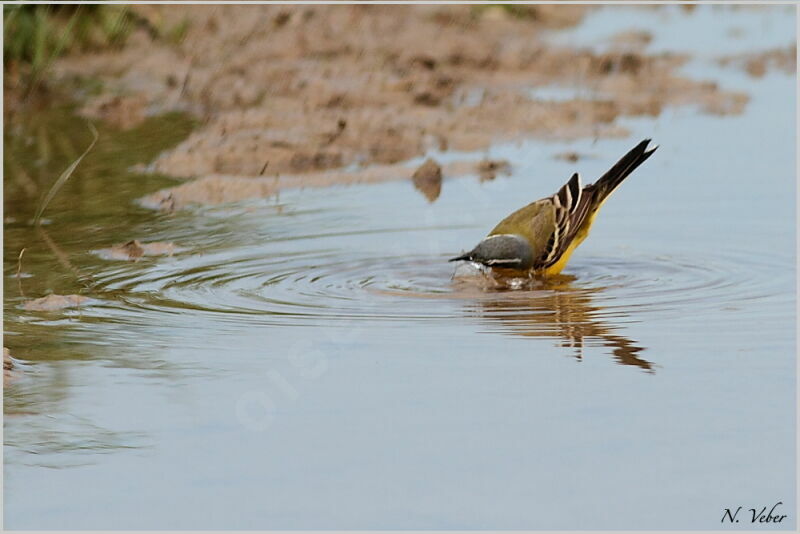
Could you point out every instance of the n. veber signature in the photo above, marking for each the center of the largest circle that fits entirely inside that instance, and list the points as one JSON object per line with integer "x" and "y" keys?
{"x": 756, "y": 515}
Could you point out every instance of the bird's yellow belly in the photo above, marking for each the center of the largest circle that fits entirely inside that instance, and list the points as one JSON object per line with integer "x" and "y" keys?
{"x": 582, "y": 234}
{"x": 558, "y": 266}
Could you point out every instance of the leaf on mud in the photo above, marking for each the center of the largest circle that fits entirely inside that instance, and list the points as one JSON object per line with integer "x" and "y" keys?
{"x": 133, "y": 250}
{"x": 55, "y": 302}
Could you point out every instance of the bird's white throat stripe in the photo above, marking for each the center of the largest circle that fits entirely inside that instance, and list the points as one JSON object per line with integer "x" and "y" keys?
{"x": 510, "y": 260}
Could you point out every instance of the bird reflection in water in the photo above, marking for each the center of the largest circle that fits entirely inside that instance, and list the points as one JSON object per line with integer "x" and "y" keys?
{"x": 551, "y": 308}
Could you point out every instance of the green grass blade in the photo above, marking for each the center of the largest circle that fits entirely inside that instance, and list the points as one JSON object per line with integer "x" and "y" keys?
{"x": 64, "y": 177}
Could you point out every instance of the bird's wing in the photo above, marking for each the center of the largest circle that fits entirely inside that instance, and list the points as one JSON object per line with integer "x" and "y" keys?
{"x": 572, "y": 204}
{"x": 551, "y": 223}
{"x": 534, "y": 222}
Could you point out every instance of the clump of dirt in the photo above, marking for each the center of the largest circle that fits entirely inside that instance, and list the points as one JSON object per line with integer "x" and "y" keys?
{"x": 8, "y": 367}
{"x": 569, "y": 156}
{"x": 328, "y": 87}
{"x": 757, "y": 64}
{"x": 572, "y": 156}
{"x": 124, "y": 112}
{"x": 488, "y": 169}
{"x": 133, "y": 250}
{"x": 550, "y": 16}
{"x": 632, "y": 39}
{"x": 428, "y": 179}
{"x": 55, "y": 302}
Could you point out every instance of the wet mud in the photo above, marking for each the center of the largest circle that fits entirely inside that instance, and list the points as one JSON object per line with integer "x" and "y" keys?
{"x": 302, "y": 92}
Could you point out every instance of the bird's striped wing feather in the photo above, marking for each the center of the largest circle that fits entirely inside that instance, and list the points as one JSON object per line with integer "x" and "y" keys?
{"x": 572, "y": 204}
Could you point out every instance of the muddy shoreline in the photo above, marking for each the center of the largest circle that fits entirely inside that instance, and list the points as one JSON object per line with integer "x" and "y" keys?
{"x": 309, "y": 96}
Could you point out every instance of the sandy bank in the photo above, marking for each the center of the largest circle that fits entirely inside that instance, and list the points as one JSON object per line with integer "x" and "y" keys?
{"x": 291, "y": 95}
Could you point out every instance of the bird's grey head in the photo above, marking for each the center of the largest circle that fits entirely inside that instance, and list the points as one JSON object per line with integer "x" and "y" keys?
{"x": 510, "y": 251}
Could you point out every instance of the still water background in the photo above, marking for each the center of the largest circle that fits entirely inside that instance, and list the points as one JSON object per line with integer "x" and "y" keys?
{"x": 308, "y": 362}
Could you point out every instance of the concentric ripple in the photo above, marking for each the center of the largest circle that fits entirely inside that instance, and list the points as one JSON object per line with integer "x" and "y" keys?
{"x": 300, "y": 288}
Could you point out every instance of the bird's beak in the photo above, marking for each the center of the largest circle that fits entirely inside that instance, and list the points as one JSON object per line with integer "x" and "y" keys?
{"x": 463, "y": 257}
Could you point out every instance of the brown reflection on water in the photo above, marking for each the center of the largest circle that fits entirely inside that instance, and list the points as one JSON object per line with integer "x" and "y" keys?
{"x": 558, "y": 309}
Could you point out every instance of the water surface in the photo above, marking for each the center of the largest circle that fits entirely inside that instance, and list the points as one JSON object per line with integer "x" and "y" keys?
{"x": 309, "y": 361}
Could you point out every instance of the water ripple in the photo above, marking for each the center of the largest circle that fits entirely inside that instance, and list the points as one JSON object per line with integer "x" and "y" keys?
{"x": 298, "y": 288}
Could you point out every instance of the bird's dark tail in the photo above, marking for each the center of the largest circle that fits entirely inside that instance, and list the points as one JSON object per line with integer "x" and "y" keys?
{"x": 607, "y": 183}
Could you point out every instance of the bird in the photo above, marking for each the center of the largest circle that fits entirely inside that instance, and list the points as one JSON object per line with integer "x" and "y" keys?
{"x": 540, "y": 237}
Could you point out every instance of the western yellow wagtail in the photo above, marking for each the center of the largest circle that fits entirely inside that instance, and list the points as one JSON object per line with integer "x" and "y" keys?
{"x": 542, "y": 236}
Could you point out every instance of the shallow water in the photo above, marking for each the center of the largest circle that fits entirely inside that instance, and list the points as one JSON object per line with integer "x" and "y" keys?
{"x": 310, "y": 361}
